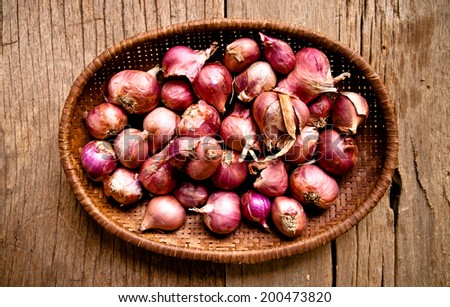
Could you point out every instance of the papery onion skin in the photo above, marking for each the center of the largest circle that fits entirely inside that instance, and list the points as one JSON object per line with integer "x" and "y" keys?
{"x": 124, "y": 186}
{"x": 221, "y": 214}
{"x": 256, "y": 207}
{"x": 163, "y": 213}
{"x": 198, "y": 120}
{"x": 319, "y": 109}
{"x": 98, "y": 160}
{"x": 239, "y": 130}
{"x": 213, "y": 84}
{"x": 131, "y": 147}
{"x": 349, "y": 111}
{"x": 337, "y": 153}
{"x": 288, "y": 216}
{"x": 137, "y": 91}
{"x": 278, "y": 53}
{"x": 256, "y": 79}
{"x": 230, "y": 173}
{"x": 161, "y": 125}
{"x": 182, "y": 61}
{"x": 304, "y": 147}
{"x": 273, "y": 178}
{"x": 313, "y": 187}
{"x": 240, "y": 54}
{"x": 157, "y": 175}
{"x": 191, "y": 194}
{"x": 301, "y": 111}
{"x": 177, "y": 94}
{"x": 105, "y": 120}
{"x": 208, "y": 156}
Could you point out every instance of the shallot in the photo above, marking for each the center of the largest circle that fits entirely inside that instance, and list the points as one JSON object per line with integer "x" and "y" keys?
{"x": 177, "y": 94}
{"x": 304, "y": 147}
{"x": 161, "y": 124}
{"x": 207, "y": 158}
{"x": 137, "y": 91}
{"x": 349, "y": 111}
{"x": 231, "y": 172}
{"x": 256, "y": 207}
{"x": 240, "y": 54}
{"x": 163, "y": 213}
{"x": 319, "y": 110}
{"x": 288, "y": 216}
{"x": 272, "y": 177}
{"x": 191, "y": 194}
{"x": 256, "y": 79}
{"x": 278, "y": 53}
{"x": 221, "y": 214}
{"x": 131, "y": 147}
{"x": 157, "y": 175}
{"x": 98, "y": 160}
{"x": 199, "y": 119}
{"x": 124, "y": 186}
{"x": 105, "y": 120}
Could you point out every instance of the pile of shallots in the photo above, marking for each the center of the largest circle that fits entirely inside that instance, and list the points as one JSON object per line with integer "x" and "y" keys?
{"x": 262, "y": 133}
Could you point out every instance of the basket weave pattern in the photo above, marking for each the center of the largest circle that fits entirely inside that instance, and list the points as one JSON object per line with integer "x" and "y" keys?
{"x": 360, "y": 190}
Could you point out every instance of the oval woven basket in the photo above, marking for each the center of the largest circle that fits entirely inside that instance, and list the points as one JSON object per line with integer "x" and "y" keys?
{"x": 360, "y": 190}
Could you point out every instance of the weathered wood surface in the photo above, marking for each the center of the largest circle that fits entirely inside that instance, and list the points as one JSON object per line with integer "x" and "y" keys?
{"x": 47, "y": 239}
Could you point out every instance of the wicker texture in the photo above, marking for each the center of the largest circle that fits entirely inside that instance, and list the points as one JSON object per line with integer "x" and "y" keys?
{"x": 360, "y": 190}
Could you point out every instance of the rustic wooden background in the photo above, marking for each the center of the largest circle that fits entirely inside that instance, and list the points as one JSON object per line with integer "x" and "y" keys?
{"x": 46, "y": 237}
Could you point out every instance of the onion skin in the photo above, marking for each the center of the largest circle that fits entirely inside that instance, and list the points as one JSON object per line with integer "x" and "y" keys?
{"x": 278, "y": 53}
{"x": 337, "y": 154}
{"x": 138, "y": 92}
{"x": 198, "y": 120}
{"x": 239, "y": 130}
{"x": 98, "y": 160}
{"x": 311, "y": 186}
{"x": 256, "y": 207}
{"x": 163, "y": 213}
{"x": 191, "y": 194}
{"x": 213, "y": 84}
{"x": 131, "y": 147}
{"x": 221, "y": 214}
{"x": 273, "y": 178}
{"x": 240, "y": 54}
{"x": 157, "y": 175}
{"x": 161, "y": 124}
{"x": 105, "y": 120}
{"x": 177, "y": 94}
{"x": 288, "y": 216}
{"x": 124, "y": 186}
{"x": 350, "y": 110}
{"x": 182, "y": 61}
{"x": 208, "y": 156}
{"x": 256, "y": 79}
{"x": 304, "y": 147}
{"x": 319, "y": 109}
{"x": 230, "y": 173}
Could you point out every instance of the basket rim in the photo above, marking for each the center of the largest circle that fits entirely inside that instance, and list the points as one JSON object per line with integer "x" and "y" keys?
{"x": 249, "y": 256}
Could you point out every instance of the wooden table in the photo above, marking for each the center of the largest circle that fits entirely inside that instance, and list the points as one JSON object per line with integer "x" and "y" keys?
{"x": 47, "y": 239}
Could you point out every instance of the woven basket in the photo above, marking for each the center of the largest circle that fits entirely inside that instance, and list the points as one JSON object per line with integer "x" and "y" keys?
{"x": 360, "y": 190}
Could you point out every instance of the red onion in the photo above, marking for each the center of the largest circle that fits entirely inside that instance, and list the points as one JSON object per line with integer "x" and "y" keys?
{"x": 105, "y": 120}
{"x": 200, "y": 119}
{"x": 124, "y": 186}
{"x": 240, "y": 54}
{"x": 208, "y": 156}
{"x": 177, "y": 94}
{"x": 304, "y": 147}
{"x": 157, "y": 175}
{"x": 183, "y": 61}
{"x": 214, "y": 85}
{"x": 311, "y": 186}
{"x": 256, "y": 79}
{"x": 349, "y": 111}
{"x": 240, "y": 132}
{"x": 276, "y": 118}
{"x": 256, "y": 207}
{"x": 163, "y": 213}
{"x": 278, "y": 53}
{"x": 273, "y": 178}
{"x": 131, "y": 147}
{"x": 98, "y": 160}
{"x": 319, "y": 110}
{"x": 136, "y": 91}
{"x": 191, "y": 194}
{"x": 221, "y": 214}
{"x": 230, "y": 173}
{"x": 161, "y": 124}
{"x": 288, "y": 216}
{"x": 311, "y": 75}
{"x": 337, "y": 154}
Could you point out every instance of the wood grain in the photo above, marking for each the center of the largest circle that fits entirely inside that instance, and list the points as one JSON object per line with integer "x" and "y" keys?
{"x": 46, "y": 237}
